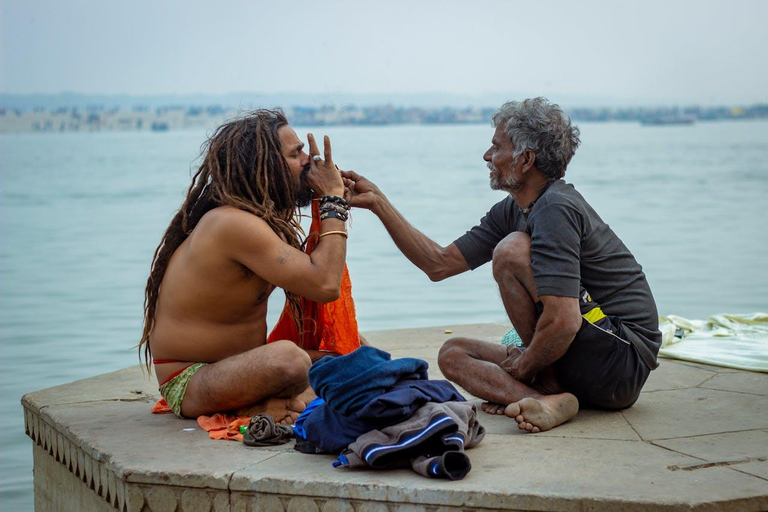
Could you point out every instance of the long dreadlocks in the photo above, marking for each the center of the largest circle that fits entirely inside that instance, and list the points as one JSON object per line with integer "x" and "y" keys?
{"x": 243, "y": 167}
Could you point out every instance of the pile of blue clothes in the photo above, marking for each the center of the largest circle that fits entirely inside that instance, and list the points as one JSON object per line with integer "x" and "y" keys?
{"x": 382, "y": 413}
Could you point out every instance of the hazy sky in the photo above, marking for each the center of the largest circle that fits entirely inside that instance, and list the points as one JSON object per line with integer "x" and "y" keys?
{"x": 635, "y": 51}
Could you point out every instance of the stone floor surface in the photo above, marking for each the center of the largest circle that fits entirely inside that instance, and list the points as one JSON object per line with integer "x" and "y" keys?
{"x": 697, "y": 439}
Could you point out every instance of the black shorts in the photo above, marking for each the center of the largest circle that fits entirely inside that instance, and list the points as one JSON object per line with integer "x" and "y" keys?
{"x": 601, "y": 367}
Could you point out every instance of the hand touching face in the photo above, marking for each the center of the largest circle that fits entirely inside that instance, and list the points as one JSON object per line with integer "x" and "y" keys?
{"x": 324, "y": 176}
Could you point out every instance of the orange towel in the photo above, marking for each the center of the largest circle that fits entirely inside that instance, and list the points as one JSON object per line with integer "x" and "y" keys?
{"x": 161, "y": 407}
{"x": 218, "y": 426}
{"x": 223, "y": 426}
{"x": 331, "y": 326}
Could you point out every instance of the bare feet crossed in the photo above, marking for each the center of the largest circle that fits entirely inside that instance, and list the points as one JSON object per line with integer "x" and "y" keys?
{"x": 492, "y": 408}
{"x": 542, "y": 414}
{"x": 283, "y": 410}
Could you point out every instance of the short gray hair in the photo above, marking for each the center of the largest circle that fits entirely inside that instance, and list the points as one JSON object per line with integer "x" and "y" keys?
{"x": 542, "y": 127}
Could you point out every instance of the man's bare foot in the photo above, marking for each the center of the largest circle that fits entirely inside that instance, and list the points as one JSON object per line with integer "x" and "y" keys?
{"x": 306, "y": 396}
{"x": 492, "y": 408}
{"x": 542, "y": 414}
{"x": 283, "y": 410}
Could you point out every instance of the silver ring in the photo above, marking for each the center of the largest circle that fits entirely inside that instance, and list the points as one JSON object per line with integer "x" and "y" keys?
{"x": 316, "y": 158}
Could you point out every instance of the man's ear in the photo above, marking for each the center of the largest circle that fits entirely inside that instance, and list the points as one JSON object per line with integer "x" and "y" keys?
{"x": 529, "y": 160}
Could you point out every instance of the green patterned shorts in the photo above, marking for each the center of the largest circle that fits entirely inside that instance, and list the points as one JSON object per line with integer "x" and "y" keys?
{"x": 174, "y": 390}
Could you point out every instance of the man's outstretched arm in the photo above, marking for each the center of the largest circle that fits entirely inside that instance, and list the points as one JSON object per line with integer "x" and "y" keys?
{"x": 434, "y": 260}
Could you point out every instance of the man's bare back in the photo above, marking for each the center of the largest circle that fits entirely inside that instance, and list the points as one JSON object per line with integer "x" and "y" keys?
{"x": 207, "y": 332}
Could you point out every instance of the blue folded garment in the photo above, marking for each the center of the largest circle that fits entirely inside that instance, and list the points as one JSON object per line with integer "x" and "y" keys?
{"x": 298, "y": 426}
{"x": 363, "y": 391}
{"x": 349, "y": 382}
{"x": 327, "y": 431}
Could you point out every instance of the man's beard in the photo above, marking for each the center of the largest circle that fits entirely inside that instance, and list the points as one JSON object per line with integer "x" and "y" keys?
{"x": 507, "y": 183}
{"x": 305, "y": 194}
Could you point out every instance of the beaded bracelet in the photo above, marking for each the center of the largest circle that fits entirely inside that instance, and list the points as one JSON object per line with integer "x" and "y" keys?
{"x": 333, "y": 207}
{"x": 334, "y": 199}
{"x": 334, "y": 215}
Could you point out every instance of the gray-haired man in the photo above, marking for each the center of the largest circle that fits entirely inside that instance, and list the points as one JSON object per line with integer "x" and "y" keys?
{"x": 574, "y": 293}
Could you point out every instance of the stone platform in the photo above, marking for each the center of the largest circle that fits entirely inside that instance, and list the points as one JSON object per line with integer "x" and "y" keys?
{"x": 697, "y": 439}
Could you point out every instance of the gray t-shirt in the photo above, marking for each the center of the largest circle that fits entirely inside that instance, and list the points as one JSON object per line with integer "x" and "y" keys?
{"x": 571, "y": 248}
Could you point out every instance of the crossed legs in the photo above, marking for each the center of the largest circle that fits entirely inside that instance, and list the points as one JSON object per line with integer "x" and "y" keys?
{"x": 475, "y": 364}
{"x": 271, "y": 378}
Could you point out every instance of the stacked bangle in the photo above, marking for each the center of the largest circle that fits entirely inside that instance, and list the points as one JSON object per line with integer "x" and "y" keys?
{"x": 334, "y": 207}
{"x": 334, "y": 199}
{"x": 334, "y": 215}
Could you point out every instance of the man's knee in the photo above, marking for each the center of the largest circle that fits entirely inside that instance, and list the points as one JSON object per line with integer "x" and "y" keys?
{"x": 450, "y": 356}
{"x": 511, "y": 255}
{"x": 290, "y": 363}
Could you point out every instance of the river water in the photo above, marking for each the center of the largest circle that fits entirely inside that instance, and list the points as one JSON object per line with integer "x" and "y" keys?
{"x": 81, "y": 214}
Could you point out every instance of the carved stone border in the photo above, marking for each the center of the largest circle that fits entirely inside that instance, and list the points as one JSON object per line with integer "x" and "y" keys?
{"x": 93, "y": 472}
{"x": 263, "y": 502}
{"x": 126, "y": 497}
{"x": 146, "y": 498}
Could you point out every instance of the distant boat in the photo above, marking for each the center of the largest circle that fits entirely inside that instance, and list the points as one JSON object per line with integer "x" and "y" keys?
{"x": 159, "y": 127}
{"x": 667, "y": 120}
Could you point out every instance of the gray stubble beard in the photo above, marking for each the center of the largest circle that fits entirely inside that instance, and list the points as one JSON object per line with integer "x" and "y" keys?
{"x": 508, "y": 184}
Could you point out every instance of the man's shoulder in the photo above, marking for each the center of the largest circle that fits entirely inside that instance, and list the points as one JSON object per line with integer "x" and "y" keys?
{"x": 564, "y": 194}
{"x": 224, "y": 216}
{"x": 502, "y": 215}
{"x": 563, "y": 190}
{"x": 228, "y": 222}
{"x": 560, "y": 205}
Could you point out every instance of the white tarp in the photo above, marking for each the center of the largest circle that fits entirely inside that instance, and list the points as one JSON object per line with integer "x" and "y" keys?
{"x": 733, "y": 341}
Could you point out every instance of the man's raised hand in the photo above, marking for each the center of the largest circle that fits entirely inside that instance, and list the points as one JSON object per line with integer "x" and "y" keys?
{"x": 359, "y": 192}
{"x": 323, "y": 177}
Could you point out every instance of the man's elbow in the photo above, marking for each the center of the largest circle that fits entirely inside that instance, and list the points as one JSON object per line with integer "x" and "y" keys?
{"x": 437, "y": 275}
{"x": 570, "y": 324}
{"x": 439, "y": 270}
{"x": 447, "y": 262}
{"x": 328, "y": 294}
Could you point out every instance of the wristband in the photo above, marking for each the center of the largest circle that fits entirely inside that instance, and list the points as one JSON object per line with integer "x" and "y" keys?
{"x": 334, "y": 215}
{"x": 334, "y": 199}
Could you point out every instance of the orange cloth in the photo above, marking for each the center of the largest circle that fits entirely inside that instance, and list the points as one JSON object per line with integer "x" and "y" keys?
{"x": 218, "y": 426}
{"x": 223, "y": 426}
{"x": 330, "y": 326}
{"x": 161, "y": 407}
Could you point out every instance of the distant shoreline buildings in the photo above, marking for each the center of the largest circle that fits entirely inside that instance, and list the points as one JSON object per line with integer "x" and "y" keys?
{"x": 176, "y": 117}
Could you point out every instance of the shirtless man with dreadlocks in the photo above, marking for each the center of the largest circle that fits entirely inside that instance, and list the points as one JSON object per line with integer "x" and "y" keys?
{"x": 234, "y": 239}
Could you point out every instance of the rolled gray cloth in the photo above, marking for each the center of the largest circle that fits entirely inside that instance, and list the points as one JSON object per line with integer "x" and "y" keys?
{"x": 262, "y": 431}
